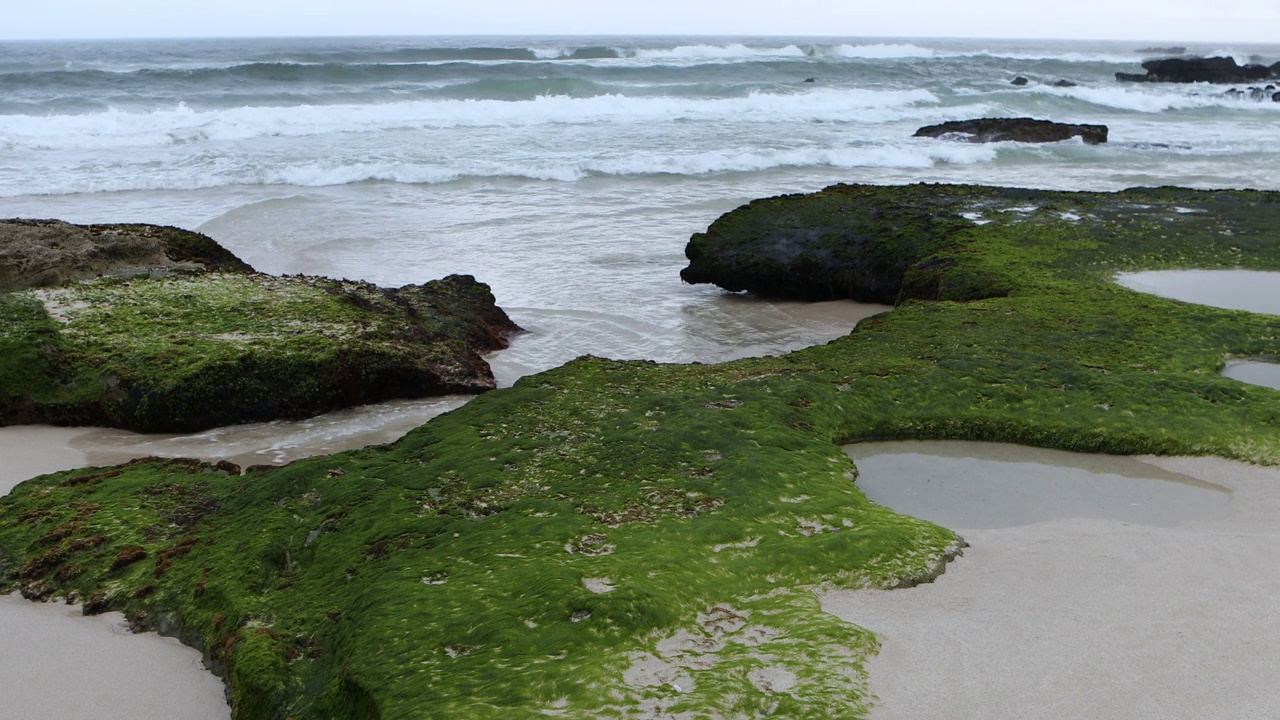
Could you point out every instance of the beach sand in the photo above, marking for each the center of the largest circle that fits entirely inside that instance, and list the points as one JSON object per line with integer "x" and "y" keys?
{"x": 1092, "y": 618}
{"x": 56, "y": 663}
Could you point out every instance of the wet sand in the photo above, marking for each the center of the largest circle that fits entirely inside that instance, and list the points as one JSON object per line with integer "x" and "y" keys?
{"x": 1092, "y": 618}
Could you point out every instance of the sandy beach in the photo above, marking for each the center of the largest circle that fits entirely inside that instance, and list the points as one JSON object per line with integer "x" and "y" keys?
{"x": 1076, "y": 618}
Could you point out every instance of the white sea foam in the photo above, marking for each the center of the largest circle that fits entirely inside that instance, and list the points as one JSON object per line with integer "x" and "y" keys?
{"x": 1159, "y": 100}
{"x": 183, "y": 125}
{"x": 879, "y": 51}
{"x": 732, "y": 51}
{"x": 320, "y": 173}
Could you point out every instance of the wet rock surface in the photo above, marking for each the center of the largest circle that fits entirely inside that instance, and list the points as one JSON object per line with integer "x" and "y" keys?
{"x": 1209, "y": 70}
{"x": 1027, "y": 130}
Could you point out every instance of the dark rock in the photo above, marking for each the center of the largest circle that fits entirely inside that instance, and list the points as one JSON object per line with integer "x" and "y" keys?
{"x": 861, "y": 242}
{"x": 1016, "y": 130}
{"x": 809, "y": 80}
{"x": 37, "y": 590}
{"x": 1020, "y": 81}
{"x": 1276, "y": 97}
{"x": 128, "y": 556}
{"x": 96, "y": 604}
{"x": 1064, "y": 83}
{"x": 1211, "y": 70}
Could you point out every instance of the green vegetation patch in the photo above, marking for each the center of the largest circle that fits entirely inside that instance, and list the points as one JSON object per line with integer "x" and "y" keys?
{"x": 628, "y": 539}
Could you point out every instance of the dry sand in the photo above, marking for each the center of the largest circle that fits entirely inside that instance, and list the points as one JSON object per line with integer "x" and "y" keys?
{"x": 1092, "y": 618}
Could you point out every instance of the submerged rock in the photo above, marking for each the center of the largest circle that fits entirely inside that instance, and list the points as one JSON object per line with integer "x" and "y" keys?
{"x": 1015, "y": 130}
{"x": 1019, "y": 81}
{"x": 1209, "y": 70}
{"x": 159, "y": 329}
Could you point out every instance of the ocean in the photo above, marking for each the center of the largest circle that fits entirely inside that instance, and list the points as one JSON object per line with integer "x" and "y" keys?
{"x": 567, "y": 173}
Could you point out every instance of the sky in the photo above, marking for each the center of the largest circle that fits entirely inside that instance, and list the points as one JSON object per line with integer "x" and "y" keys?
{"x": 1167, "y": 20}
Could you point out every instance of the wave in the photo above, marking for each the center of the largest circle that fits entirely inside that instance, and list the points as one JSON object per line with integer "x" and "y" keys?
{"x": 718, "y": 52}
{"x": 416, "y": 55}
{"x": 1154, "y": 101}
{"x": 219, "y": 173}
{"x": 182, "y": 124}
{"x": 878, "y": 51}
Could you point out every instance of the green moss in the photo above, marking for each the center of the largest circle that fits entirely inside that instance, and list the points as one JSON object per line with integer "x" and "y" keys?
{"x": 451, "y": 574}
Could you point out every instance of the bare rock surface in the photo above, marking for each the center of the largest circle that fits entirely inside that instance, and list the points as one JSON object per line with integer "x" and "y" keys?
{"x": 1028, "y": 130}
{"x": 44, "y": 253}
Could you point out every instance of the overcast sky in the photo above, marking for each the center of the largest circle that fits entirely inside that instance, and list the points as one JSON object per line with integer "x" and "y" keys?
{"x": 1170, "y": 20}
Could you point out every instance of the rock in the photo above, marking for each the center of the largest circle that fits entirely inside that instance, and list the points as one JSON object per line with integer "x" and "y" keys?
{"x": 1016, "y": 130}
{"x": 1173, "y": 50}
{"x": 96, "y": 604}
{"x": 1211, "y": 70}
{"x": 1020, "y": 81}
{"x": 1064, "y": 83}
{"x": 44, "y": 253}
{"x": 129, "y": 556}
{"x": 855, "y": 242}
{"x": 162, "y": 330}
{"x": 809, "y": 80}
{"x": 1275, "y": 97}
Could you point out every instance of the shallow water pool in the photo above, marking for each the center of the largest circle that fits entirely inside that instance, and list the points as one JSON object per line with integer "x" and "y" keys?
{"x": 1253, "y": 290}
{"x": 971, "y": 485}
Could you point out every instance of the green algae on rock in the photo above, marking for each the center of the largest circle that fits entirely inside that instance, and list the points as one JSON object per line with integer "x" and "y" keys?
{"x": 159, "y": 329}
{"x": 628, "y": 539}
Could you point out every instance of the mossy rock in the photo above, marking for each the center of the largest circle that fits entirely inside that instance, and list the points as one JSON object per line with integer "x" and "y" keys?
{"x": 628, "y": 539}
{"x": 204, "y": 341}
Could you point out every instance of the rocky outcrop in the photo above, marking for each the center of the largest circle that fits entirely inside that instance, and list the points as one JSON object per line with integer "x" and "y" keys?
{"x": 1015, "y": 130}
{"x": 1219, "y": 70}
{"x": 163, "y": 330}
{"x": 860, "y": 242}
{"x": 1255, "y": 93}
{"x": 41, "y": 253}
